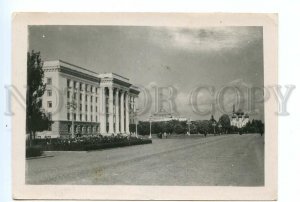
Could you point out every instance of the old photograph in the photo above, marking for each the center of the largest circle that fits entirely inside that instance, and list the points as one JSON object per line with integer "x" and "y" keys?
{"x": 150, "y": 105}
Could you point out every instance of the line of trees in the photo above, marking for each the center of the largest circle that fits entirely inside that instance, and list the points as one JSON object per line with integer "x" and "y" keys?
{"x": 222, "y": 126}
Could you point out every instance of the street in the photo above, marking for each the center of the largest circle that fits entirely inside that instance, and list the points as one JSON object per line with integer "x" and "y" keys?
{"x": 226, "y": 160}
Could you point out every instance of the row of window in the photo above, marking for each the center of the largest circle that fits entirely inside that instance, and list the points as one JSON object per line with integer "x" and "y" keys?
{"x": 86, "y": 107}
{"x": 49, "y": 105}
{"x": 81, "y": 117}
{"x": 80, "y": 97}
{"x": 83, "y": 129}
{"x": 88, "y": 88}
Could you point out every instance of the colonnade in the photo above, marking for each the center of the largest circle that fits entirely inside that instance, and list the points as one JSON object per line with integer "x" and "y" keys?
{"x": 114, "y": 110}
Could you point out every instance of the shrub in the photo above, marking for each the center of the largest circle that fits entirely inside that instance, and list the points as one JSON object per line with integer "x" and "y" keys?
{"x": 92, "y": 143}
{"x": 34, "y": 151}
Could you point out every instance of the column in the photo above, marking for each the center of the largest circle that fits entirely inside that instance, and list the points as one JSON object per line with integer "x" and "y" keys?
{"x": 111, "y": 110}
{"x": 71, "y": 110}
{"x": 83, "y": 102}
{"x": 127, "y": 113}
{"x": 117, "y": 112}
{"x": 122, "y": 111}
{"x": 102, "y": 111}
{"x": 88, "y": 103}
{"x": 133, "y": 109}
{"x": 98, "y": 113}
{"x": 134, "y": 103}
{"x": 77, "y": 101}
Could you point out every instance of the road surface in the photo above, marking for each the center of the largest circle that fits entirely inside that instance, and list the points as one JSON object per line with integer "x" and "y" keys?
{"x": 227, "y": 160}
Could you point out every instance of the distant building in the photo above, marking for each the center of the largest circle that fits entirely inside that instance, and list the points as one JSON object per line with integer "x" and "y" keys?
{"x": 239, "y": 118}
{"x": 162, "y": 115}
{"x": 104, "y": 103}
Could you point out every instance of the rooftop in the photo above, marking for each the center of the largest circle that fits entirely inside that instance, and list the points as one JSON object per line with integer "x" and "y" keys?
{"x": 59, "y": 63}
{"x": 113, "y": 76}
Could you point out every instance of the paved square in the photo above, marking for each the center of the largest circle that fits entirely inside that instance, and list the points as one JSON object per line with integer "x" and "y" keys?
{"x": 227, "y": 160}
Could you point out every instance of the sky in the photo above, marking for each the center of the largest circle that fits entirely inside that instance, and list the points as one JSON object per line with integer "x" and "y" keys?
{"x": 193, "y": 66}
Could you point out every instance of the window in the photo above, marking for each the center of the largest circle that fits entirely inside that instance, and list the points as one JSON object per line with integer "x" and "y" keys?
{"x": 74, "y": 84}
{"x": 80, "y": 86}
{"x": 80, "y": 117}
{"x": 49, "y": 81}
{"x": 68, "y": 116}
{"x": 49, "y": 104}
{"x": 86, "y": 108}
{"x": 91, "y": 118}
{"x": 68, "y": 94}
{"x": 74, "y": 117}
{"x": 96, "y": 99}
{"x": 91, "y": 108}
{"x": 86, "y": 88}
{"x": 96, "y": 118}
{"x": 85, "y": 117}
{"x": 96, "y": 109}
{"x": 91, "y": 98}
{"x": 80, "y": 107}
{"x": 86, "y": 98}
{"x": 91, "y": 88}
{"x": 49, "y": 93}
{"x": 75, "y": 95}
{"x": 80, "y": 96}
{"x": 68, "y": 83}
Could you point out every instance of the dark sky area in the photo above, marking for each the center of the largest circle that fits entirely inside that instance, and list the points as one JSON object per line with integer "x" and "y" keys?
{"x": 181, "y": 58}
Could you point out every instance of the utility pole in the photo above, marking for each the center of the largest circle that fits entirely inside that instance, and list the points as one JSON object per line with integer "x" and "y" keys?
{"x": 136, "y": 122}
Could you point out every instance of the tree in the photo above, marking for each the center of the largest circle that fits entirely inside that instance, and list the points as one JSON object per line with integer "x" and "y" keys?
{"x": 204, "y": 127}
{"x": 143, "y": 128}
{"x": 225, "y": 122}
{"x": 179, "y": 128}
{"x": 36, "y": 118}
{"x": 169, "y": 127}
{"x": 194, "y": 127}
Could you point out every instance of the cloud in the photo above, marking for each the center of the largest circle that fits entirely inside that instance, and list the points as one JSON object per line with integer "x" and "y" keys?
{"x": 205, "y": 39}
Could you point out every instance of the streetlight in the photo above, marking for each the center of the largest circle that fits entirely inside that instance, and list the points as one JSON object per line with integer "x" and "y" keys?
{"x": 136, "y": 122}
{"x": 189, "y": 125}
{"x": 72, "y": 105}
{"x": 150, "y": 119}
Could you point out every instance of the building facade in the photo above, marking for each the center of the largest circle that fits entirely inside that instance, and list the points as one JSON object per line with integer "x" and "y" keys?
{"x": 163, "y": 115}
{"x": 90, "y": 102}
{"x": 239, "y": 119}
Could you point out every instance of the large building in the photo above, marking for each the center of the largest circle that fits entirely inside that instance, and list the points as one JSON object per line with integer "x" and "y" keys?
{"x": 239, "y": 119}
{"x": 163, "y": 115}
{"x": 91, "y": 102}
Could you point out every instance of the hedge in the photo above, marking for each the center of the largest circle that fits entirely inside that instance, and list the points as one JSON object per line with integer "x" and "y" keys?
{"x": 89, "y": 147}
{"x": 34, "y": 151}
